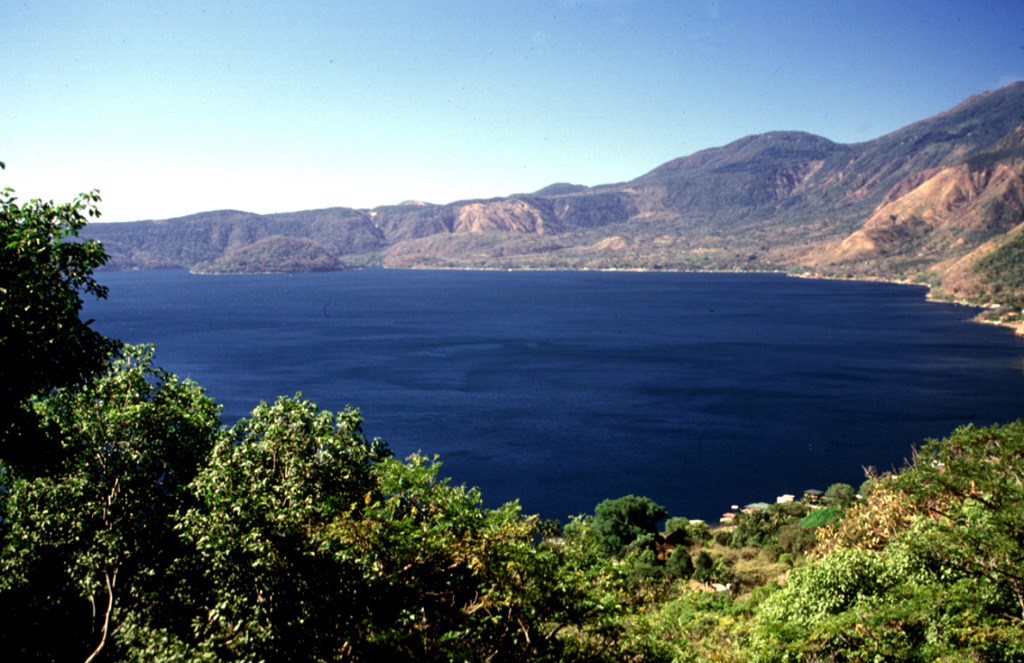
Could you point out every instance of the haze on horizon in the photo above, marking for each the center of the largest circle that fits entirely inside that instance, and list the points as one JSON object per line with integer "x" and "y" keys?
{"x": 171, "y": 108}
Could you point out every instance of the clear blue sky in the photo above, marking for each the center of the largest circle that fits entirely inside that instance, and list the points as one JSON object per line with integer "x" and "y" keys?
{"x": 174, "y": 107}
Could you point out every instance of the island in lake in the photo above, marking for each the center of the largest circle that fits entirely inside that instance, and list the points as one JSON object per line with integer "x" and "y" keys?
{"x": 939, "y": 202}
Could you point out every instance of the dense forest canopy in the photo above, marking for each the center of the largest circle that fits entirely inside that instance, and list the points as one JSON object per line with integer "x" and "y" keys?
{"x": 154, "y": 533}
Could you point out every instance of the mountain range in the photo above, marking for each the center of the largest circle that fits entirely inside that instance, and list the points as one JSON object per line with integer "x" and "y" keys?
{"x": 939, "y": 202}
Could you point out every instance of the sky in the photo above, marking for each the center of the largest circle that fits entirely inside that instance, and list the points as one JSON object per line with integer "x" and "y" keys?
{"x": 176, "y": 107}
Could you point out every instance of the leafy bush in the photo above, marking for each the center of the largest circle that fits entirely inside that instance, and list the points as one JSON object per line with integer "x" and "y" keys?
{"x": 761, "y": 528}
{"x": 828, "y": 587}
{"x": 970, "y": 485}
{"x": 44, "y": 343}
{"x": 795, "y": 539}
{"x": 100, "y": 529}
{"x": 677, "y": 531}
{"x": 840, "y": 494}
{"x": 682, "y": 532}
{"x": 620, "y": 522}
{"x": 274, "y": 484}
{"x": 707, "y": 569}
{"x": 679, "y": 564}
{"x": 865, "y": 605}
{"x": 822, "y": 517}
{"x": 700, "y": 531}
{"x": 703, "y": 567}
{"x": 549, "y": 528}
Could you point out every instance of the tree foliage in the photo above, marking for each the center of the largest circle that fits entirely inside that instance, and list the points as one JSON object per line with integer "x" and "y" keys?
{"x": 266, "y": 583}
{"x": 840, "y": 495}
{"x": 970, "y": 488}
{"x": 927, "y": 567}
{"x": 679, "y": 564}
{"x": 761, "y": 528}
{"x": 44, "y": 342}
{"x": 680, "y": 531}
{"x": 444, "y": 576}
{"x": 620, "y": 522}
{"x": 821, "y": 517}
{"x": 90, "y": 542}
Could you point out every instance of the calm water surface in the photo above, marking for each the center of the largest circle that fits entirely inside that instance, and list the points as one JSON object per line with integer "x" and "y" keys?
{"x": 565, "y": 388}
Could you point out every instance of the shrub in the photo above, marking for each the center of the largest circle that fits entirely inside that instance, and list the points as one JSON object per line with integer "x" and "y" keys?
{"x": 700, "y": 531}
{"x": 622, "y": 521}
{"x": 707, "y": 569}
{"x": 771, "y": 553}
{"x": 702, "y": 567}
{"x": 827, "y": 587}
{"x": 677, "y": 531}
{"x": 794, "y": 538}
{"x": 820, "y": 517}
{"x": 679, "y": 564}
{"x": 840, "y": 494}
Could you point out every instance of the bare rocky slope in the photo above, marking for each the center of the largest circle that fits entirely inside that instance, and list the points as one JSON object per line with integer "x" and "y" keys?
{"x": 938, "y": 202}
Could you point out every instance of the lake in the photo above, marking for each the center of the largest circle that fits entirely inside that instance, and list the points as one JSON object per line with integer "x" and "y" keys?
{"x": 561, "y": 389}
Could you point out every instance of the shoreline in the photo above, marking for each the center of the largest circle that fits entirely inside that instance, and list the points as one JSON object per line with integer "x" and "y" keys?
{"x": 1017, "y": 327}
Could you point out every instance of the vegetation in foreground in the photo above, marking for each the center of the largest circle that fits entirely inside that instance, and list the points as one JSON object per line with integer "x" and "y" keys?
{"x": 134, "y": 526}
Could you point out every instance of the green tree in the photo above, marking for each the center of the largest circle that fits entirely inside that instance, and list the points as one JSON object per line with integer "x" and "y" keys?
{"x": 841, "y": 495}
{"x": 891, "y": 605}
{"x": 613, "y": 599}
{"x": 313, "y": 543}
{"x": 677, "y": 531}
{"x": 680, "y": 531}
{"x": 448, "y": 580}
{"x": 679, "y": 564}
{"x": 760, "y": 528}
{"x": 927, "y": 568}
{"x": 867, "y": 486}
{"x": 827, "y": 587}
{"x": 265, "y": 582}
{"x": 44, "y": 343}
{"x": 86, "y": 548}
{"x": 970, "y": 486}
{"x": 620, "y": 522}
{"x": 699, "y": 531}
{"x": 703, "y": 567}
{"x": 795, "y": 539}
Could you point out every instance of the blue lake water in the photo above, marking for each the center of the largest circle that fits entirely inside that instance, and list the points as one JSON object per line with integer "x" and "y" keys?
{"x": 565, "y": 388}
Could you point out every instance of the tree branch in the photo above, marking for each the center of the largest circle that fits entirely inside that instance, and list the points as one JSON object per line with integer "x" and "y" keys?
{"x": 106, "y": 620}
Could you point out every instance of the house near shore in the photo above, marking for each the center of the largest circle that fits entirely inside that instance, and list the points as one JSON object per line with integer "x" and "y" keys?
{"x": 813, "y": 496}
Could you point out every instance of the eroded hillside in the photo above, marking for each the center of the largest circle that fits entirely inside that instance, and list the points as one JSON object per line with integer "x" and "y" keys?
{"x": 928, "y": 203}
